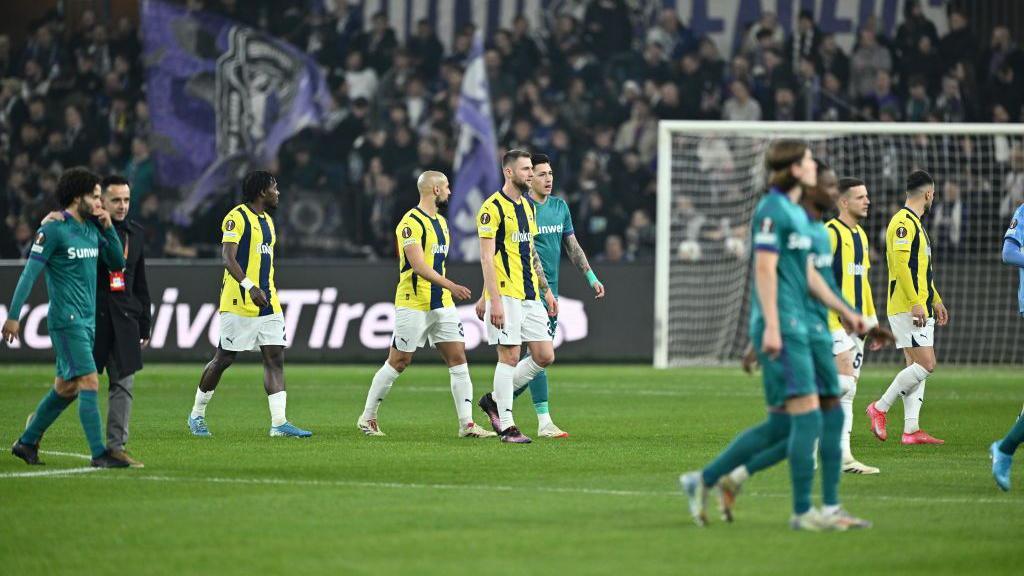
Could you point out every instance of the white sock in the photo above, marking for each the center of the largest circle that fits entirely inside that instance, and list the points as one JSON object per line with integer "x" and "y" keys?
{"x": 277, "y": 402}
{"x": 912, "y": 403}
{"x": 740, "y": 474}
{"x": 503, "y": 375}
{"x": 525, "y": 371}
{"x": 831, "y": 508}
{"x": 903, "y": 384}
{"x": 848, "y": 384}
{"x": 462, "y": 393}
{"x": 202, "y": 399}
{"x": 543, "y": 420}
{"x": 379, "y": 388}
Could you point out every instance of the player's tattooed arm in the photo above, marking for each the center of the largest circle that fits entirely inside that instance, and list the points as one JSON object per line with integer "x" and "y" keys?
{"x": 576, "y": 254}
{"x": 539, "y": 269}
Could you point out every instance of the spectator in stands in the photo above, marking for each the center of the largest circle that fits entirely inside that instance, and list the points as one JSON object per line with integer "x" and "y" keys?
{"x": 882, "y": 97}
{"x": 914, "y": 27}
{"x": 140, "y": 173}
{"x": 614, "y": 251}
{"x": 868, "y": 59}
{"x": 673, "y": 36}
{"x": 1013, "y": 184}
{"x": 426, "y": 49}
{"x": 959, "y": 42}
{"x": 949, "y": 219}
{"x": 378, "y": 44}
{"x": 918, "y": 104}
{"x": 608, "y": 28}
{"x": 741, "y": 106}
{"x": 832, "y": 60}
{"x": 950, "y": 104}
{"x": 756, "y": 35}
{"x": 805, "y": 40}
{"x": 360, "y": 79}
{"x": 640, "y": 236}
{"x": 639, "y": 133}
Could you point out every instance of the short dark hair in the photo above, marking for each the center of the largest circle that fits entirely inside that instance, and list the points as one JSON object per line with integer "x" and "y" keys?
{"x": 113, "y": 180}
{"x": 255, "y": 183}
{"x": 512, "y": 155}
{"x": 917, "y": 180}
{"x": 823, "y": 166}
{"x": 847, "y": 183}
{"x": 75, "y": 183}
{"x": 540, "y": 159}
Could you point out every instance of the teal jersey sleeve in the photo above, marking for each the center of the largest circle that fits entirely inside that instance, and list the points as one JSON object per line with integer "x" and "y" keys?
{"x": 1016, "y": 230}
{"x": 567, "y": 229}
{"x": 47, "y": 241}
{"x": 769, "y": 226}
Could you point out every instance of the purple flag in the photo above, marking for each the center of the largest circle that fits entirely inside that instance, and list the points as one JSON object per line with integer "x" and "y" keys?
{"x": 223, "y": 97}
{"x": 477, "y": 175}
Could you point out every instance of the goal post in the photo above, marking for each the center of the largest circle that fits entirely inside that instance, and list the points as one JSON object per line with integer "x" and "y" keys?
{"x": 711, "y": 174}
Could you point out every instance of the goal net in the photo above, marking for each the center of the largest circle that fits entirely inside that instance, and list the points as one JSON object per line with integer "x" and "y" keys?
{"x": 711, "y": 175}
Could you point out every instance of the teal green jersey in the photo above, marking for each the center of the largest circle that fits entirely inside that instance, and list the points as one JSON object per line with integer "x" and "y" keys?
{"x": 69, "y": 251}
{"x": 821, "y": 254}
{"x": 554, "y": 223}
{"x": 780, "y": 226}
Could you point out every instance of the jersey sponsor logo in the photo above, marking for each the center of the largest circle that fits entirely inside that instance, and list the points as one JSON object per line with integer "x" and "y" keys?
{"x": 74, "y": 253}
{"x": 901, "y": 232}
{"x": 552, "y": 229}
{"x": 520, "y": 237}
{"x": 230, "y": 225}
{"x": 855, "y": 269}
{"x": 265, "y": 249}
{"x": 798, "y": 242}
{"x": 440, "y": 249}
{"x": 406, "y": 232}
{"x": 485, "y": 218}
{"x": 822, "y": 260}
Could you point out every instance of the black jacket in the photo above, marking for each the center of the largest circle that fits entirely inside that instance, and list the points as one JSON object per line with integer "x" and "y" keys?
{"x": 123, "y": 318}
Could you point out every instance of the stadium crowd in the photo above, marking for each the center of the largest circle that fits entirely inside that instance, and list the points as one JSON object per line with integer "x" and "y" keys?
{"x": 587, "y": 90}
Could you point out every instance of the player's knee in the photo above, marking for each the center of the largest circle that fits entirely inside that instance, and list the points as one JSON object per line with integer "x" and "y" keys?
{"x": 927, "y": 363}
{"x": 67, "y": 389}
{"x": 88, "y": 382}
{"x": 544, "y": 359}
{"x": 829, "y": 402}
{"x": 274, "y": 359}
{"x": 400, "y": 362}
{"x": 222, "y": 361}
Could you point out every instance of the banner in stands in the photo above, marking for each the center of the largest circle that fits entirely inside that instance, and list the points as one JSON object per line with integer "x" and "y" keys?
{"x": 343, "y": 312}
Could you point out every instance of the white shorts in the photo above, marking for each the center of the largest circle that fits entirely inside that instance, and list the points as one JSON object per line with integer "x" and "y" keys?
{"x": 415, "y": 328}
{"x": 842, "y": 341}
{"x": 525, "y": 321}
{"x": 245, "y": 333}
{"x": 910, "y": 336}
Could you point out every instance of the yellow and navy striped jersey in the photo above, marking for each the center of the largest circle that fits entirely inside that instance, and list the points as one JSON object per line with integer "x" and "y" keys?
{"x": 513, "y": 226}
{"x": 255, "y": 236}
{"x": 851, "y": 263}
{"x": 908, "y": 253}
{"x": 417, "y": 227}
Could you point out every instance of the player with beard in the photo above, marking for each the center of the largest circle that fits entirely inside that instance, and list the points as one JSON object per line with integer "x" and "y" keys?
{"x": 514, "y": 283}
{"x": 424, "y": 310}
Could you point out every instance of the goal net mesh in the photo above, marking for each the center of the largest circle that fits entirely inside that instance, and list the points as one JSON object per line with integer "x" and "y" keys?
{"x": 717, "y": 177}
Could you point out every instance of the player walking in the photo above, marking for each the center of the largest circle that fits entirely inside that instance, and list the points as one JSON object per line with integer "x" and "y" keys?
{"x": 68, "y": 250}
{"x": 424, "y": 311}
{"x": 250, "y": 313}
{"x": 514, "y": 282}
{"x": 914, "y": 308}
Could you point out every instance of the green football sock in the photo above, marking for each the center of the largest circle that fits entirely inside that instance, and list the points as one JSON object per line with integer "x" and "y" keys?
{"x": 767, "y": 458}
{"x": 89, "y": 414}
{"x": 831, "y": 454}
{"x": 1014, "y": 438}
{"x": 806, "y": 428}
{"x": 49, "y": 408}
{"x": 746, "y": 445}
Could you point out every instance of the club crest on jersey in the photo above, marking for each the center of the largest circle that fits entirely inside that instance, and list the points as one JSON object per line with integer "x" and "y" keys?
{"x": 406, "y": 232}
{"x": 901, "y": 232}
{"x": 230, "y": 225}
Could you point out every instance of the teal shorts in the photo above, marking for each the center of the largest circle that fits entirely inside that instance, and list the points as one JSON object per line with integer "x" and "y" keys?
{"x": 790, "y": 374}
{"x": 826, "y": 378}
{"x": 73, "y": 346}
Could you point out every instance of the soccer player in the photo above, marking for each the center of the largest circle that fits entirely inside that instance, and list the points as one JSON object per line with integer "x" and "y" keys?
{"x": 554, "y": 225}
{"x": 250, "y": 313}
{"x": 1002, "y": 451}
{"x": 914, "y": 308}
{"x": 514, "y": 282}
{"x": 816, "y": 201}
{"x": 851, "y": 265}
{"x": 783, "y": 277}
{"x": 424, "y": 311}
{"x": 68, "y": 250}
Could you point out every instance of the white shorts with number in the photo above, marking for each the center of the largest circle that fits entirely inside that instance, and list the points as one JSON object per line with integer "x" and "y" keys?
{"x": 525, "y": 321}
{"x": 415, "y": 328}
{"x": 910, "y": 336}
{"x": 245, "y": 333}
{"x": 842, "y": 341}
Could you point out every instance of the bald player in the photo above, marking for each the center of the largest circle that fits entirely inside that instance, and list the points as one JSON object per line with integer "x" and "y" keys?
{"x": 424, "y": 310}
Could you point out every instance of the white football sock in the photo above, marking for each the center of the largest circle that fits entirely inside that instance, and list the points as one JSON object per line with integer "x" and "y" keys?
{"x": 462, "y": 393}
{"x": 379, "y": 388}
{"x": 848, "y": 384}
{"x": 202, "y": 399}
{"x": 543, "y": 420}
{"x": 525, "y": 371}
{"x": 903, "y": 384}
{"x": 740, "y": 474}
{"x": 277, "y": 402}
{"x": 912, "y": 403}
{"x": 503, "y": 375}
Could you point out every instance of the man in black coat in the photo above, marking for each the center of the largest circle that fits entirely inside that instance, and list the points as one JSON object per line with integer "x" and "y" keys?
{"x": 123, "y": 317}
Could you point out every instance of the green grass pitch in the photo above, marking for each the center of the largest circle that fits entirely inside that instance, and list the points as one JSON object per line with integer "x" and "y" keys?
{"x": 422, "y": 501}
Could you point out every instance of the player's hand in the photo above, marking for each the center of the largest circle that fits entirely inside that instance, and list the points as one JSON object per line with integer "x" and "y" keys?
{"x": 53, "y": 217}
{"x": 749, "y": 360}
{"x": 10, "y": 331}
{"x": 481, "y": 309}
{"x": 497, "y": 314}
{"x": 857, "y": 323}
{"x": 144, "y": 343}
{"x": 259, "y": 298}
{"x": 104, "y": 217}
{"x": 879, "y": 337}
{"x": 552, "y": 303}
{"x": 941, "y": 314}
{"x": 460, "y": 292}
{"x": 771, "y": 342}
{"x": 920, "y": 319}
{"x": 598, "y": 290}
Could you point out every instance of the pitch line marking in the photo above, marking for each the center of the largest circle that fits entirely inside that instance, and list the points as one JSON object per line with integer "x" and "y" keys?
{"x": 49, "y": 473}
{"x": 68, "y": 454}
